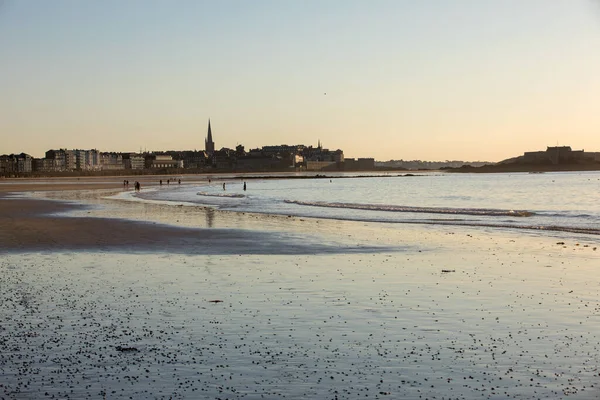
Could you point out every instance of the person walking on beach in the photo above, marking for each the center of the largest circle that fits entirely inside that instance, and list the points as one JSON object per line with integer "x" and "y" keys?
{"x": 160, "y": 182}
{"x": 179, "y": 181}
{"x": 223, "y": 185}
{"x": 137, "y": 186}
{"x": 244, "y": 186}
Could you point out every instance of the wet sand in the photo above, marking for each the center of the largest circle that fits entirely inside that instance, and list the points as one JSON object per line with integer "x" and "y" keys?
{"x": 32, "y": 225}
{"x": 59, "y": 184}
{"x": 411, "y": 312}
{"x": 501, "y": 325}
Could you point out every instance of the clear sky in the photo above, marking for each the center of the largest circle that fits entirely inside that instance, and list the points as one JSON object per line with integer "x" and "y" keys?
{"x": 390, "y": 79}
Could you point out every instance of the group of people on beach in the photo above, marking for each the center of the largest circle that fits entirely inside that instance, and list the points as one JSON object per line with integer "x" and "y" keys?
{"x": 169, "y": 182}
{"x": 224, "y": 185}
{"x": 136, "y": 185}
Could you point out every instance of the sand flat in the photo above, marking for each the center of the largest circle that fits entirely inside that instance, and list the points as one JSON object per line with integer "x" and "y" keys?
{"x": 33, "y": 225}
{"x": 515, "y": 316}
{"x": 120, "y": 325}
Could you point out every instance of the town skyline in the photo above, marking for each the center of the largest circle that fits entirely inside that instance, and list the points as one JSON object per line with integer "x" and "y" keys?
{"x": 278, "y": 157}
{"x": 210, "y": 159}
{"x": 208, "y": 147}
{"x": 479, "y": 80}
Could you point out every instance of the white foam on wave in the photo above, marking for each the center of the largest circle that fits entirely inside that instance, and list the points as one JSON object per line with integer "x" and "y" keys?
{"x": 548, "y": 227}
{"x": 227, "y": 195}
{"x": 134, "y": 197}
{"x": 412, "y": 209}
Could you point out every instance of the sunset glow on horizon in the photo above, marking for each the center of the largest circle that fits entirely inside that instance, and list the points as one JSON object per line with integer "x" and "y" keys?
{"x": 430, "y": 80}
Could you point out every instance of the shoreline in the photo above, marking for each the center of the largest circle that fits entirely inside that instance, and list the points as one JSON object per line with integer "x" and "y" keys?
{"x": 166, "y": 175}
{"x": 16, "y": 184}
{"x": 31, "y": 225}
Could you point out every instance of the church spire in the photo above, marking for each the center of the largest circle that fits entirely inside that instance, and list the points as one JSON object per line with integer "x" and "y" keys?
{"x": 209, "y": 145}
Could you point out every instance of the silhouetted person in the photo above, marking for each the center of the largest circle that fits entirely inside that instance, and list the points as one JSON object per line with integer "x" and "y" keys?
{"x": 137, "y": 186}
{"x": 179, "y": 181}
{"x": 160, "y": 182}
{"x": 223, "y": 185}
{"x": 168, "y": 181}
{"x": 244, "y": 186}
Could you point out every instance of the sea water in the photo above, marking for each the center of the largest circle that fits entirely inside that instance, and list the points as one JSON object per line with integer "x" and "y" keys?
{"x": 561, "y": 201}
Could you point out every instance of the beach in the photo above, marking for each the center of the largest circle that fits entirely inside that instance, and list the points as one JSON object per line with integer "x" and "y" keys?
{"x": 106, "y": 298}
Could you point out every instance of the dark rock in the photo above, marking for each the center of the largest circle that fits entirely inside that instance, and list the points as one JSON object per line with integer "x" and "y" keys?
{"x": 126, "y": 349}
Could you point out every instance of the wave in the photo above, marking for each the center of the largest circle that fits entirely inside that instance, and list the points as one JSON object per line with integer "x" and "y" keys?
{"x": 411, "y": 209}
{"x": 549, "y": 228}
{"x": 228, "y": 195}
{"x": 443, "y": 221}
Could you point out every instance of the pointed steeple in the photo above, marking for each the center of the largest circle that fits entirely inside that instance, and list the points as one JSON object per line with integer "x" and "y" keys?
{"x": 209, "y": 145}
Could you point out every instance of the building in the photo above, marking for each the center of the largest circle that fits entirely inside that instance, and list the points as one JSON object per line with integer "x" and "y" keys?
{"x": 14, "y": 164}
{"x": 24, "y": 163}
{"x": 321, "y": 165}
{"x": 257, "y": 163}
{"x": 555, "y": 155}
{"x": 8, "y": 165}
{"x": 283, "y": 149}
{"x": 338, "y": 156}
{"x": 365, "y": 164}
{"x": 45, "y": 165}
{"x": 70, "y": 160}
{"x": 90, "y": 160}
{"x": 137, "y": 161}
{"x": 194, "y": 159}
{"x": 319, "y": 159}
{"x": 165, "y": 161}
{"x": 209, "y": 145}
{"x": 298, "y": 160}
{"x": 59, "y": 159}
{"x": 224, "y": 159}
{"x": 111, "y": 161}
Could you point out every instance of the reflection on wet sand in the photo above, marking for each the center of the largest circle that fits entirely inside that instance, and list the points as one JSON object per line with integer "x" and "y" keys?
{"x": 210, "y": 217}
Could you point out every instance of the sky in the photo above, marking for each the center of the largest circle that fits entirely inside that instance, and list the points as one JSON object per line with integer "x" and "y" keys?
{"x": 390, "y": 79}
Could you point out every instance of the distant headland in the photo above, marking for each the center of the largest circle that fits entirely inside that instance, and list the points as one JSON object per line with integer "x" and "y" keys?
{"x": 558, "y": 158}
